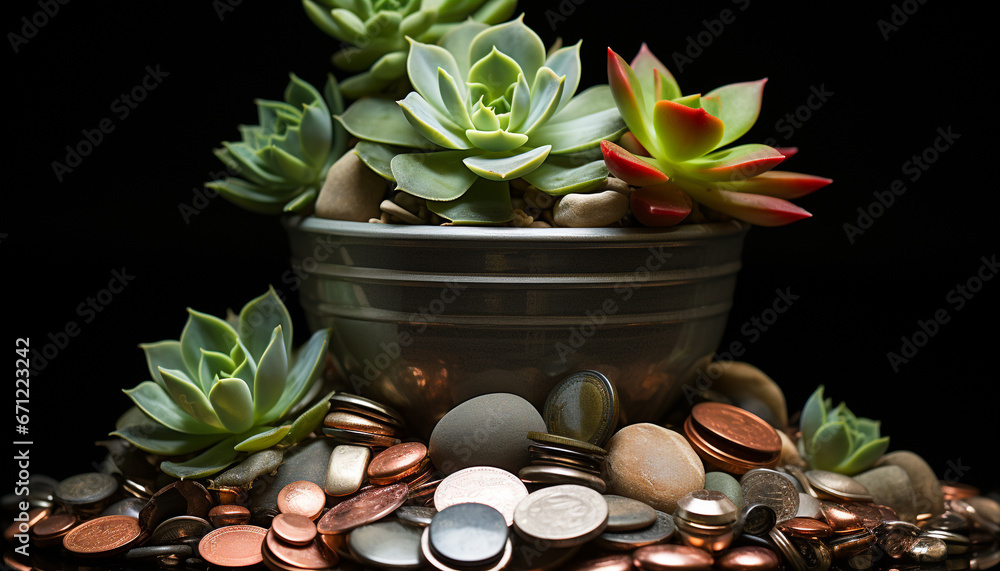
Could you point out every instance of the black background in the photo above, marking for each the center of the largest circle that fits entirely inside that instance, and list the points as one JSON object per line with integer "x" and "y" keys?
{"x": 887, "y": 97}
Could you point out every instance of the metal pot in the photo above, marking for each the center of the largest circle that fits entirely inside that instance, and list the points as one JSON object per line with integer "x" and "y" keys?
{"x": 426, "y": 317}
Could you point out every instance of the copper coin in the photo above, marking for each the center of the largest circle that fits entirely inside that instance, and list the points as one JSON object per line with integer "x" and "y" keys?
{"x": 293, "y": 528}
{"x": 307, "y": 556}
{"x": 422, "y": 476}
{"x": 233, "y": 546}
{"x": 806, "y": 528}
{"x": 35, "y": 515}
{"x": 103, "y": 536}
{"x": 52, "y": 528}
{"x": 748, "y": 558}
{"x": 869, "y": 515}
{"x": 714, "y": 457}
{"x": 360, "y": 438}
{"x": 736, "y": 430}
{"x": 487, "y": 485}
{"x": 302, "y": 497}
{"x": 229, "y": 514}
{"x": 841, "y": 519}
{"x": 619, "y": 562}
{"x": 396, "y": 462}
{"x": 349, "y": 421}
{"x": 367, "y": 407}
{"x": 366, "y": 507}
{"x": 958, "y": 490}
{"x": 663, "y": 557}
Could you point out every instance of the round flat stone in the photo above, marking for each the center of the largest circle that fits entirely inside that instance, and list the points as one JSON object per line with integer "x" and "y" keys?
{"x": 583, "y": 406}
{"x": 660, "y": 532}
{"x": 387, "y": 544}
{"x": 626, "y": 514}
{"x": 723, "y": 482}
{"x": 890, "y": 486}
{"x": 564, "y": 515}
{"x": 652, "y": 464}
{"x": 468, "y": 535}
{"x": 929, "y": 497}
{"x": 488, "y": 430}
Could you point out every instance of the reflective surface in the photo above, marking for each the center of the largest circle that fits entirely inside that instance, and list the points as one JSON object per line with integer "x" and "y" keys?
{"x": 425, "y": 317}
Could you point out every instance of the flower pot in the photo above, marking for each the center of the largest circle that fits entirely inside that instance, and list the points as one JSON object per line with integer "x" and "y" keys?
{"x": 426, "y": 317}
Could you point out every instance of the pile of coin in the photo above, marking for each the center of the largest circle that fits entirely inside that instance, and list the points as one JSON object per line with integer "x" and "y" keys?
{"x": 563, "y": 460}
{"x": 353, "y": 419}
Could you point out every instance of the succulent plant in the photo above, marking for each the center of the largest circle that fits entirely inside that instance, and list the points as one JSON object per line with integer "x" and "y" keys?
{"x": 284, "y": 159}
{"x": 374, "y": 34}
{"x": 228, "y": 387}
{"x": 676, "y": 150}
{"x": 489, "y": 107}
{"x": 835, "y": 440}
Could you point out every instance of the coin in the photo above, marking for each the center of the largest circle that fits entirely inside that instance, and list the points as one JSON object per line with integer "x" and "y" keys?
{"x": 103, "y": 536}
{"x": 360, "y": 438}
{"x": 361, "y": 405}
{"x": 616, "y": 562}
{"x": 85, "y": 489}
{"x": 387, "y": 544}
{"x": 49, "y": 531}
{"x": 773, "y": 489}
{"x": 293, "y": 528}
{"x": 487, "y": 485}
{"x": 706, "y": 507}
{"x": 366, "y": 507}
{"x": 345, "y": 420}
{"x": 565, "y": 515}
{"x": 544, "y": 474}
{"x": 838, "y": 486}
{"x": 808, "y": 507}
{"x": 397, "y": 462}
{"x": 805, "y": 528}
{"x": 233, "y": 546}
{"x": 468, "y": 535}
{"x": 564, "y": 442}
{"x": 666, "y": 557}
{"x": 184, "y": 497}
{"x": 788, "y": 550}
{"x": 660, "y": 532}
{"x": 626, "y": 514}
{"x": 305, "y": 556}
{"x": 748, "y": 559}
{"x": 583, "y": 406}
{"x": 228, "y": 514}
{"x": 415, "y": 515}
{"x": 302, "y": 497}
{"x": 841, "y": 519}
{"x": 736, "y": 431}
{"x": 756, "y": 519}
{"x": 591, "y": 459}
{"x": 428, "y": 554}
{"x": 958, "y": 490}
{"x": 179, "y": 528}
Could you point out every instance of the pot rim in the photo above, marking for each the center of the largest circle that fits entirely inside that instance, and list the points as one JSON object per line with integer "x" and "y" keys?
{"x": 509, "y": 234}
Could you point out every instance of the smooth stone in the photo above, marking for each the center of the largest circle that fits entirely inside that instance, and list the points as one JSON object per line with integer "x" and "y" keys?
{"x": 351, "y": 191}
{"x": 652, "y": 464}
{"x": 626, "y": 514}
{"x": 723, "y": 482}
{"x": 488, "y": 430}
{"x": 930, "y": 498}
{"x": 255, "y": 465}
{"x": 592, "y": 210}
{"x": 890, "y": 486}
{"x": 750, "y": 389}
{"x": 308, "y": 460}
{"x": 347, "y": 469}
{"x": 789, "y": 452}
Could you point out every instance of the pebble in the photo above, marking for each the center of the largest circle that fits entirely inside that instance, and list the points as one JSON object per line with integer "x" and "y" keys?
{"x": 488, "y": 430}
{"x": 930, "y": 498}
{"x": 890, "y": 486}
{"x": 255, "y": 465}
{"x": 351, "y": 191}
{"x": 592, "y": 210}
{"x": 307, "y": 461}
{"x": 723, "y": 482}
{"x": 789, "y": 452}
{"x": 750, "y": 389}
{"x": 652, "y": 464}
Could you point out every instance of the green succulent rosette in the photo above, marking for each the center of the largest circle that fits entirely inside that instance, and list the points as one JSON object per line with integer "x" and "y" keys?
{"x": 373, "y": 34}
{"x": 227, "y": 388}
{"x": 836, "y": 440}
{"x": 489, "y": 106}
{"x": 282, "y": 161}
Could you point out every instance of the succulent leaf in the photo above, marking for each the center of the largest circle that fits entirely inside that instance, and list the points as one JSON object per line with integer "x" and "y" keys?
{"x": 565, "y": 174}
{"x": 654, "y": 77}
{"x": 158, "y": 439}
{"x": 271, "y": 374}
{"x": 431, "y": 175}
{"x": 739, "y": 106}
{"x": 735, "y": 163}
{"x": 685, "y": 133}
{"x": 258, "y": 319}
{"x": 659, "y": 205}
{"x": 265, "y": 439}
{"x": 379, "y": 120}
{"x": 158, "y": 404}
{"x": 207, "y": 463}
{"x": 233, "y": 404}
{"x": 486, "y": 202}
{"x": 307, "y": 422}
{"x": 507, "y": 167}
{"x": 166, "y": 354}
{"x": 779, "y": 184}
{"x": 836, "y": 439}
{"x": 630, "y": 168}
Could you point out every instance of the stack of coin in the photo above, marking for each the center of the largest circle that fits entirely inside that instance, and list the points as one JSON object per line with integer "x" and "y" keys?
{"x": 356, "y": 420}
{"x": 407, "y": 462}
{"x": 562, "y": 460}
{"x": 731, "y": 439}
{"x": 292, "y": 543}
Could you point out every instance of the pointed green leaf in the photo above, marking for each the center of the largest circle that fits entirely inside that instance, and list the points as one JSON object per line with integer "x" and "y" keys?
{"x": 207, "y": 463}
{"x": 740, "y": 106}
{"x": 308, "y": 421}
{"x": 453, "y": 98}
{"x": 486, "y": 202}
{"x": 494, "y": 11}
{"x": 520, "y": 105}
{"x": 166, "y": 354}
{"x": 203, "y": 331}
{"x": 592, "y": 100}
{"x": 213, "y": 364}
{"x": 735, "y": 163}
{"x": 545, "y": 95}
{"x": 153, "y": 400}
{"x": 496, "y": 72}
{"x": 813, "y": 415}
{"x": 316, "y": 135}
{"x": 158, "y": 439}
{"x": 348, "y": 24}
{"x": 287, "y": 165}
{"x": 363, "y": 84}
{"x": 563, "y": 174}
{"x": 417, "y": 23}
{"x": 378, "y": 157}
{"x": 864, "y": 458}
{"x": 300, "y": 93}
{"x": 250, "y": 166}
{"x": 651, "y": 71}
{"x": 389, "y": 67}
{"x": 263, "y": 440}
{"x": 434, "y": 127}
{"x": 498, "y": 141}
{"x": 566, "y": 62}
{"x": 252, "y": 197}
{"x": 308, "y": 367}
{"x": 458, "y": 42}
{"x": 434, "y": 176}
{"x": 868, "y": 428}
{"x": 507, "y": 168}
{"x": 581, "y": 133}
{"x": 423, "y": 65}
{"x": 779, "y": 184}
{"x": 272, "y": 374}
{"x": 685, "y": 133}
{"x": 246, "y": 366}
{"x": 829, "y": 447}
{"x": 189, "y": 397}
{"x": 513, "y": 39}
{"x": 693, "y": 101}
{"x": 233, "y": 403}
{"x": 484, "y": 118}
{"x": 258, "y": 319}
{"x": 302, "y": 202}
{"x": 630, "y": 100}
{"x": 382, "y": 121}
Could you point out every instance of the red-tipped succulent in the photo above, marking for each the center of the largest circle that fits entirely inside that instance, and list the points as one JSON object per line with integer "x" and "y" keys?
{"x": 676, "y": 149}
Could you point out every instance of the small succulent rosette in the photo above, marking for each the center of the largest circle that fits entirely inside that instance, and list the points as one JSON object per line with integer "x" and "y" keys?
{"x": 489, "y": 106}
{"x": 374, "y": 34}
{"x": 282, "y": 162}
{"x": 676, "y": 149}
{"x": 228, "y": 389}
{"x": 836, "y": 440}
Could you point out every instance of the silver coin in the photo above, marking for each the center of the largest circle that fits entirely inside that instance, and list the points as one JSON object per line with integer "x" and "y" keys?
{"x": 128, "y": 506}
{"x": 707, "y": 507}
{"x": 773, "y": 489}
{"x": 808, "y": 507}
{"x": 660, "y": 532}
{"x": 838, "y": 485}
{"x": 415, "y": 515}
{"x": 565, "y": 515}
{"x": 792, "y": 555}
{"x": 84, "y": 489}
{"x": 546, "y": 474}
{"x": 177, "y": 529}
{"x": 626, "y": 514}
{"x": 387, "y": 545}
